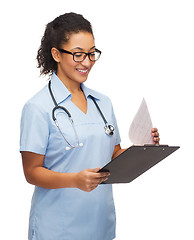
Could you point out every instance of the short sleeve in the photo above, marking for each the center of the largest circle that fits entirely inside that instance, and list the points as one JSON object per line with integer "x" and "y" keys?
{"x": 117, "y": 134}
{"x": 34, "y": 129}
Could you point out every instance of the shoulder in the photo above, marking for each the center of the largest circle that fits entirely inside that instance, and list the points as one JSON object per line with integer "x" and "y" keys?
{"x": 99, "y": 97}
{"x": 102, "y": 100}
{"x": 39, "y": 101}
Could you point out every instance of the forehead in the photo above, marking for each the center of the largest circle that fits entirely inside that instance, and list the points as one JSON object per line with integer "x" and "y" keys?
{"x": 80, "y": 40}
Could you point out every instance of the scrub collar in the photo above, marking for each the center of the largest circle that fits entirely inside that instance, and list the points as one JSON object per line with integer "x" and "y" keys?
{"x": 61, "y": 92}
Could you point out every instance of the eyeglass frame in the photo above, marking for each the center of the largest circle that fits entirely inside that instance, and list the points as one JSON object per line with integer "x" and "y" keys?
{"x": 86, "y": 54}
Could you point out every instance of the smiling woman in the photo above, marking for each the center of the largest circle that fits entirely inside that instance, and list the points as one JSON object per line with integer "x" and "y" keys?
{"x": 64, "y": 162}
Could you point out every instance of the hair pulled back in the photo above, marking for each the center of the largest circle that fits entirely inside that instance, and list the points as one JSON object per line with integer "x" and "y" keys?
{"x": 56, "y": 33}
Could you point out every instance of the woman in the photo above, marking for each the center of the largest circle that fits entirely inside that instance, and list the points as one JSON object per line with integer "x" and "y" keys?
{"x": 63, "y": 143}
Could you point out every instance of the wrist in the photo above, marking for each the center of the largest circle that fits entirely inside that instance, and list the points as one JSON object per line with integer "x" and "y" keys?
{"x": 74, "y": 180}
{"x": 68, "y": 180}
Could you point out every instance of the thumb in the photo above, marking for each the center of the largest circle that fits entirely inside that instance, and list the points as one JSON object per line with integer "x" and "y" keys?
{"x": 94, "y": 170}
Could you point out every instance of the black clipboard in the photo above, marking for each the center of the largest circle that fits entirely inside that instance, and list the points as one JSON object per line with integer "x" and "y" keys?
{"x": 134, "y": 161}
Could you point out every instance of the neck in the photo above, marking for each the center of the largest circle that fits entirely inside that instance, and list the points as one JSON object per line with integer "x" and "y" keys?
{"x": 73, "y": 87}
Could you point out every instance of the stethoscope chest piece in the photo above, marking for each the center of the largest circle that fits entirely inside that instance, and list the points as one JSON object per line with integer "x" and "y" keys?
{"x": 109, "y": 130}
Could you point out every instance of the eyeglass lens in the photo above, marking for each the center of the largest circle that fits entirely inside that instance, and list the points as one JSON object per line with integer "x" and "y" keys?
{"x": 80, "y": 56}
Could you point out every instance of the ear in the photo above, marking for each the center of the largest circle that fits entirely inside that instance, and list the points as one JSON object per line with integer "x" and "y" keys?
{"x": 56, "y": 54}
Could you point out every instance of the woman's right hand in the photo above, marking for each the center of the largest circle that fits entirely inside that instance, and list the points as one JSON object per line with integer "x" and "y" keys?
{"x": 87, "y": 180}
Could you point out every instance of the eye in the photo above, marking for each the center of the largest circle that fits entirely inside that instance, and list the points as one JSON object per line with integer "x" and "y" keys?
{"x": 92, "y": 55}
{"x": 79, "y": 55}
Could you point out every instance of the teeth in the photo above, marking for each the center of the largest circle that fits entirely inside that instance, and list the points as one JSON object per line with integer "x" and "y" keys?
{"x": 84, "y": 71}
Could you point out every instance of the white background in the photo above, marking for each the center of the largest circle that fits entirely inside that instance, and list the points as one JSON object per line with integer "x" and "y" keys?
{"x": 147, "y": 51}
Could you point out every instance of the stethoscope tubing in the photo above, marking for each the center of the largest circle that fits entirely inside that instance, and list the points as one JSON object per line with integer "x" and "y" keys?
{"x": 109, "y": 129}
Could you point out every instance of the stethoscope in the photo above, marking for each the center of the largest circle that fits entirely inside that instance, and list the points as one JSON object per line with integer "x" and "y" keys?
{"x": 109, "y": 129}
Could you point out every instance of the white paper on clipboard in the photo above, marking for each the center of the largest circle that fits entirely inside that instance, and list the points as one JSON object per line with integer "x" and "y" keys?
{"x": 141, "y": 126}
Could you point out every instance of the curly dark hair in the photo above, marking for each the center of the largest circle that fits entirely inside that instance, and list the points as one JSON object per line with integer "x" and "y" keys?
{"x": 56, "y": 33}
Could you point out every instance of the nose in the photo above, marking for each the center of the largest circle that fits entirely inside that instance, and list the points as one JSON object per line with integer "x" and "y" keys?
{"x": 86, "y": 62}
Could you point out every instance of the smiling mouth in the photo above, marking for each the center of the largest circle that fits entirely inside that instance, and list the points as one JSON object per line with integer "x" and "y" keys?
{"x": 83, "y": 70}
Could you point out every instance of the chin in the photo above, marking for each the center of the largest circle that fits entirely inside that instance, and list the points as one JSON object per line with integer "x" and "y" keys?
{"x": 82, "y": 79}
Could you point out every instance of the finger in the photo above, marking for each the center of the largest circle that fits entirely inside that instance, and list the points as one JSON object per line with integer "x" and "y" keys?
{"x": 154, "y": 130}
{"x": 155, "y": 134}
{"x": 93, "y": 187}
{"x": 102, "y": 179}
{"x": 99, "y": 181}
{"x": 156, "y": 140}
{"x": 102, "y": 175}
{"x": 94, "y": 170}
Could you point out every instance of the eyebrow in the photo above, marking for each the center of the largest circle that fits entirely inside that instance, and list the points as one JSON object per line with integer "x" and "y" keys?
{"x": 81, "y": 49}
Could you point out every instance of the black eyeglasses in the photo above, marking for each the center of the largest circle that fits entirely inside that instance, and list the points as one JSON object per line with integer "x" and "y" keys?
{"x": 81, "y": 56}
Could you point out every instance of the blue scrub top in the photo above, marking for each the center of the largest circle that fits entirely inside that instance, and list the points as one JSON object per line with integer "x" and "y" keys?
{"x": 70, "y": 213}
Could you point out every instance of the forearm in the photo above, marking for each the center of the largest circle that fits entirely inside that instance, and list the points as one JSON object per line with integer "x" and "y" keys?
{"x": 86, "y": 180}
{"x": 46, "y": 178}
{"x": 118, "y": 152}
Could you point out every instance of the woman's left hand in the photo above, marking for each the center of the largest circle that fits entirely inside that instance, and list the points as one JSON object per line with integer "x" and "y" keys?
{"x": 155, "y": 135}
